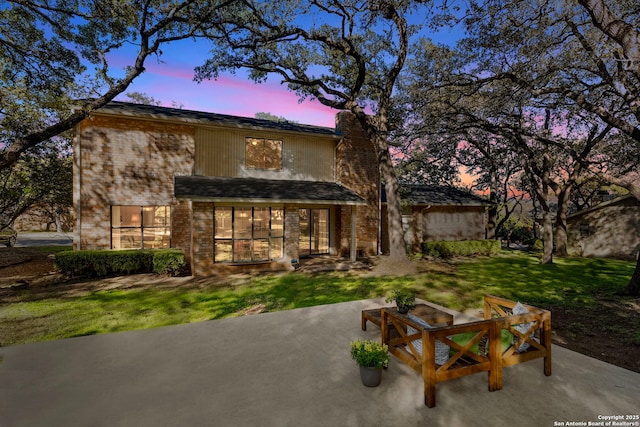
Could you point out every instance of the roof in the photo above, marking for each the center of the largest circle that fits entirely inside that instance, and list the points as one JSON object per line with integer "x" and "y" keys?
{"x": 200, "y": 117}
{"x": 257, "y": 190}
{"x": 611, "y": 202}
{"x": 437, "y": 195}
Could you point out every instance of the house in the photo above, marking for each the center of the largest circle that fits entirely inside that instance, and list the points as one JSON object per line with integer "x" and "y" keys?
{"x": 609, "y": 230}
{"x": 435, "y": 213}
{"x": 234, "y": 193}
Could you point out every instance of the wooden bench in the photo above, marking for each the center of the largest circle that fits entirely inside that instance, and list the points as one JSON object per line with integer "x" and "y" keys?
{"x": 481, "y": 348}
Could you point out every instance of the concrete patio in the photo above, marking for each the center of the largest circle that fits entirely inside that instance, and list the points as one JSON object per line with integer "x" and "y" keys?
{"x": 288, "y": 368}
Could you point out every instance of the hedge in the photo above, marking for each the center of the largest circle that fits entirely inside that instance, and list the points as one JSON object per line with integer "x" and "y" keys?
{"x": 448, "y": 249}
{"x": 105, "y": 263}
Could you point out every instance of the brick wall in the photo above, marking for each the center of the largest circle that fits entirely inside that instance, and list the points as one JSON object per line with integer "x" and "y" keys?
{"x": 202, "y": 239}
{"x": 291, "y": 233}
{"x": 611, "y": 231}
{"x": 119, "y": 161}
{"x": 125, "y": 161}
{"x": 357, "y": 169}
{"x": 181, "y": 214}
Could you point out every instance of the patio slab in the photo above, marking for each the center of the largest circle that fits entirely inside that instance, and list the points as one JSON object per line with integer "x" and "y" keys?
{"x": 289, "y": 368}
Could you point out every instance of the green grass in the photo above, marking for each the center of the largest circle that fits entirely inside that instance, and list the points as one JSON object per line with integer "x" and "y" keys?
{"x": 52, "y": 249}
{"x": 570, "y": 282}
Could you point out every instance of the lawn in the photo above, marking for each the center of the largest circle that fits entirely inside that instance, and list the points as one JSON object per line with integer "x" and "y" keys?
{"x": 572, "y": 282}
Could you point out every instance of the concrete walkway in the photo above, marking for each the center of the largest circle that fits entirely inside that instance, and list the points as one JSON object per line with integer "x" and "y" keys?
{"x": 288, "y": 368}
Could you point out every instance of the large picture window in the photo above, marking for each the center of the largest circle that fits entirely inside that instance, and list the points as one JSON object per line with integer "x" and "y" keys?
{"x": 261, "y": 153}
{"x": 248, "y": 234}
{"x": 140, "y": 227}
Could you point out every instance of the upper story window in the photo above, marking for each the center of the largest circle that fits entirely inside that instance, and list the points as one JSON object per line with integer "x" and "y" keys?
{"x": 262, "y": 153}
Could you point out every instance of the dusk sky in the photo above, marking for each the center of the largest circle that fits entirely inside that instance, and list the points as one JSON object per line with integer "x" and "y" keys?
{"x": 172, "y": 81}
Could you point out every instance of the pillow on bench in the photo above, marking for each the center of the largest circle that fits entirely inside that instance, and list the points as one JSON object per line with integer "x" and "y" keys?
{"x": 522, "y": 327}
{"x": 442, "y": 350}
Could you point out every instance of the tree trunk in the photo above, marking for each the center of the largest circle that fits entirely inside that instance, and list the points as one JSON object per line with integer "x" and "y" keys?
{"x": 492, "y": 213}
{"x": 625, "y": 34}
{"x": 561, "y": 223}
{"x": 633, "y": 288}
{"x": 547, "y": 237}
{"x": 397, "y": 247}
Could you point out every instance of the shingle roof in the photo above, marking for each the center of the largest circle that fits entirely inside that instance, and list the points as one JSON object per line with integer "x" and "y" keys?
{"x": 165, "y": 113}
{"x": 437, "y": 195}
{"x": 604, "y": 204}
{"x": 256, "y": 190}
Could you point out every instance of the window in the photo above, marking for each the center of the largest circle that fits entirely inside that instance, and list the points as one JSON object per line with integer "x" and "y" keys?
{"x": 314, "y": 232}
{"x": 263, "y": 153}
{"x": 140, "y": 227}
{"x": 585, "y": 230}
{"x": 248, "y": 234}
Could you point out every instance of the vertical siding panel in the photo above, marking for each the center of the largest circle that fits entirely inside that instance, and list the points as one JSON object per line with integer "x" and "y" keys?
{"x": 220, "y": 152}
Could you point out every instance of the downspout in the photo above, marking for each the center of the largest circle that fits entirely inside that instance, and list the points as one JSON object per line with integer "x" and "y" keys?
{"x": 424, "y": 215}
{"x": 354, "y": 229}
{"x": 77, "y": 181}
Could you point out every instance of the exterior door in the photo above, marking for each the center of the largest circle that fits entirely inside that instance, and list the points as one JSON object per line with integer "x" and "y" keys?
{"x": 314, "y": 232}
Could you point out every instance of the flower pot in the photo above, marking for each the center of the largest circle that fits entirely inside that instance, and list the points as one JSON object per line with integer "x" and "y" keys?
{"x": 370, "y": 377}
{"x": 403, "y": 309}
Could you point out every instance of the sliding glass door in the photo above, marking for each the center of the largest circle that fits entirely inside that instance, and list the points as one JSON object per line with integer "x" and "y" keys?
{"x": 314, "y": 232}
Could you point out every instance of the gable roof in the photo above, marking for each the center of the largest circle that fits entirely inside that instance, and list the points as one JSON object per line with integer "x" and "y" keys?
{"x": 611, "y": 202}
{"x": 257, "y": 190}
{"x": 415, "y": 194}
{"x": 177, "y": 114}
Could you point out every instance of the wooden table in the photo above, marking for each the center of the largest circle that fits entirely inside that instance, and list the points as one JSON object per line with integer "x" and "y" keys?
{"x": 425, "y": 312}
{"x": 429, "y": 314}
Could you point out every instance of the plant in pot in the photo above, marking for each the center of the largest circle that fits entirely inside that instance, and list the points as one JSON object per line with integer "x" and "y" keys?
{"x": 405, "y": 300}
{"x": 371, "y": 356}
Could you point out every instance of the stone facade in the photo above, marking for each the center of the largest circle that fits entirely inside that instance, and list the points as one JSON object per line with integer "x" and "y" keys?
{"x": 123, "y": 161}
{"x": 609, "y": 230}
{"x": 438, "y": 223}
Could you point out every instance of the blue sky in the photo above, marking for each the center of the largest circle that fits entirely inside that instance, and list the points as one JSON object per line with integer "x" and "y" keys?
{"x": 172, "y": 81}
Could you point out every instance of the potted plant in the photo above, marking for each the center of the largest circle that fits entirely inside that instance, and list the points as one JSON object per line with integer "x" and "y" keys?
{"x": 405, "y": 300}
{"x": 371, "y": 356}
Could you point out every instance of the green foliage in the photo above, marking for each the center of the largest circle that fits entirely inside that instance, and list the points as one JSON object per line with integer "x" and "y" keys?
{"x": 535, "y": 245}
{"x": 103, "y": 263}
{"x": 169, "y": 261}
{"x": 57, "y": 53}
{"x": 370, "y": 354}
{"x": 516, "y": 232}
{"x": 403, "y": 298}
{"x": 447, "y": 249}
{"x": 43, "y": 178}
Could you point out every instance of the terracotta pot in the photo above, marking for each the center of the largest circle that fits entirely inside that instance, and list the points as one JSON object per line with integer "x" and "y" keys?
{"x": 370, "y": 377}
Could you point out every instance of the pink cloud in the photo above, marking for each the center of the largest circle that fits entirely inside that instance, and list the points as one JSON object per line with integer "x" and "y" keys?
{"x": 229, "y": 94}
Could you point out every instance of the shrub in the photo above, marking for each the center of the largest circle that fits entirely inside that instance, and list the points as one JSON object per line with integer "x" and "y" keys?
{"x": 104, "y": 263}
{"x": 370, "y": 354}
{"x": 446, "y": 249}
{"x": 169, "y": 261}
